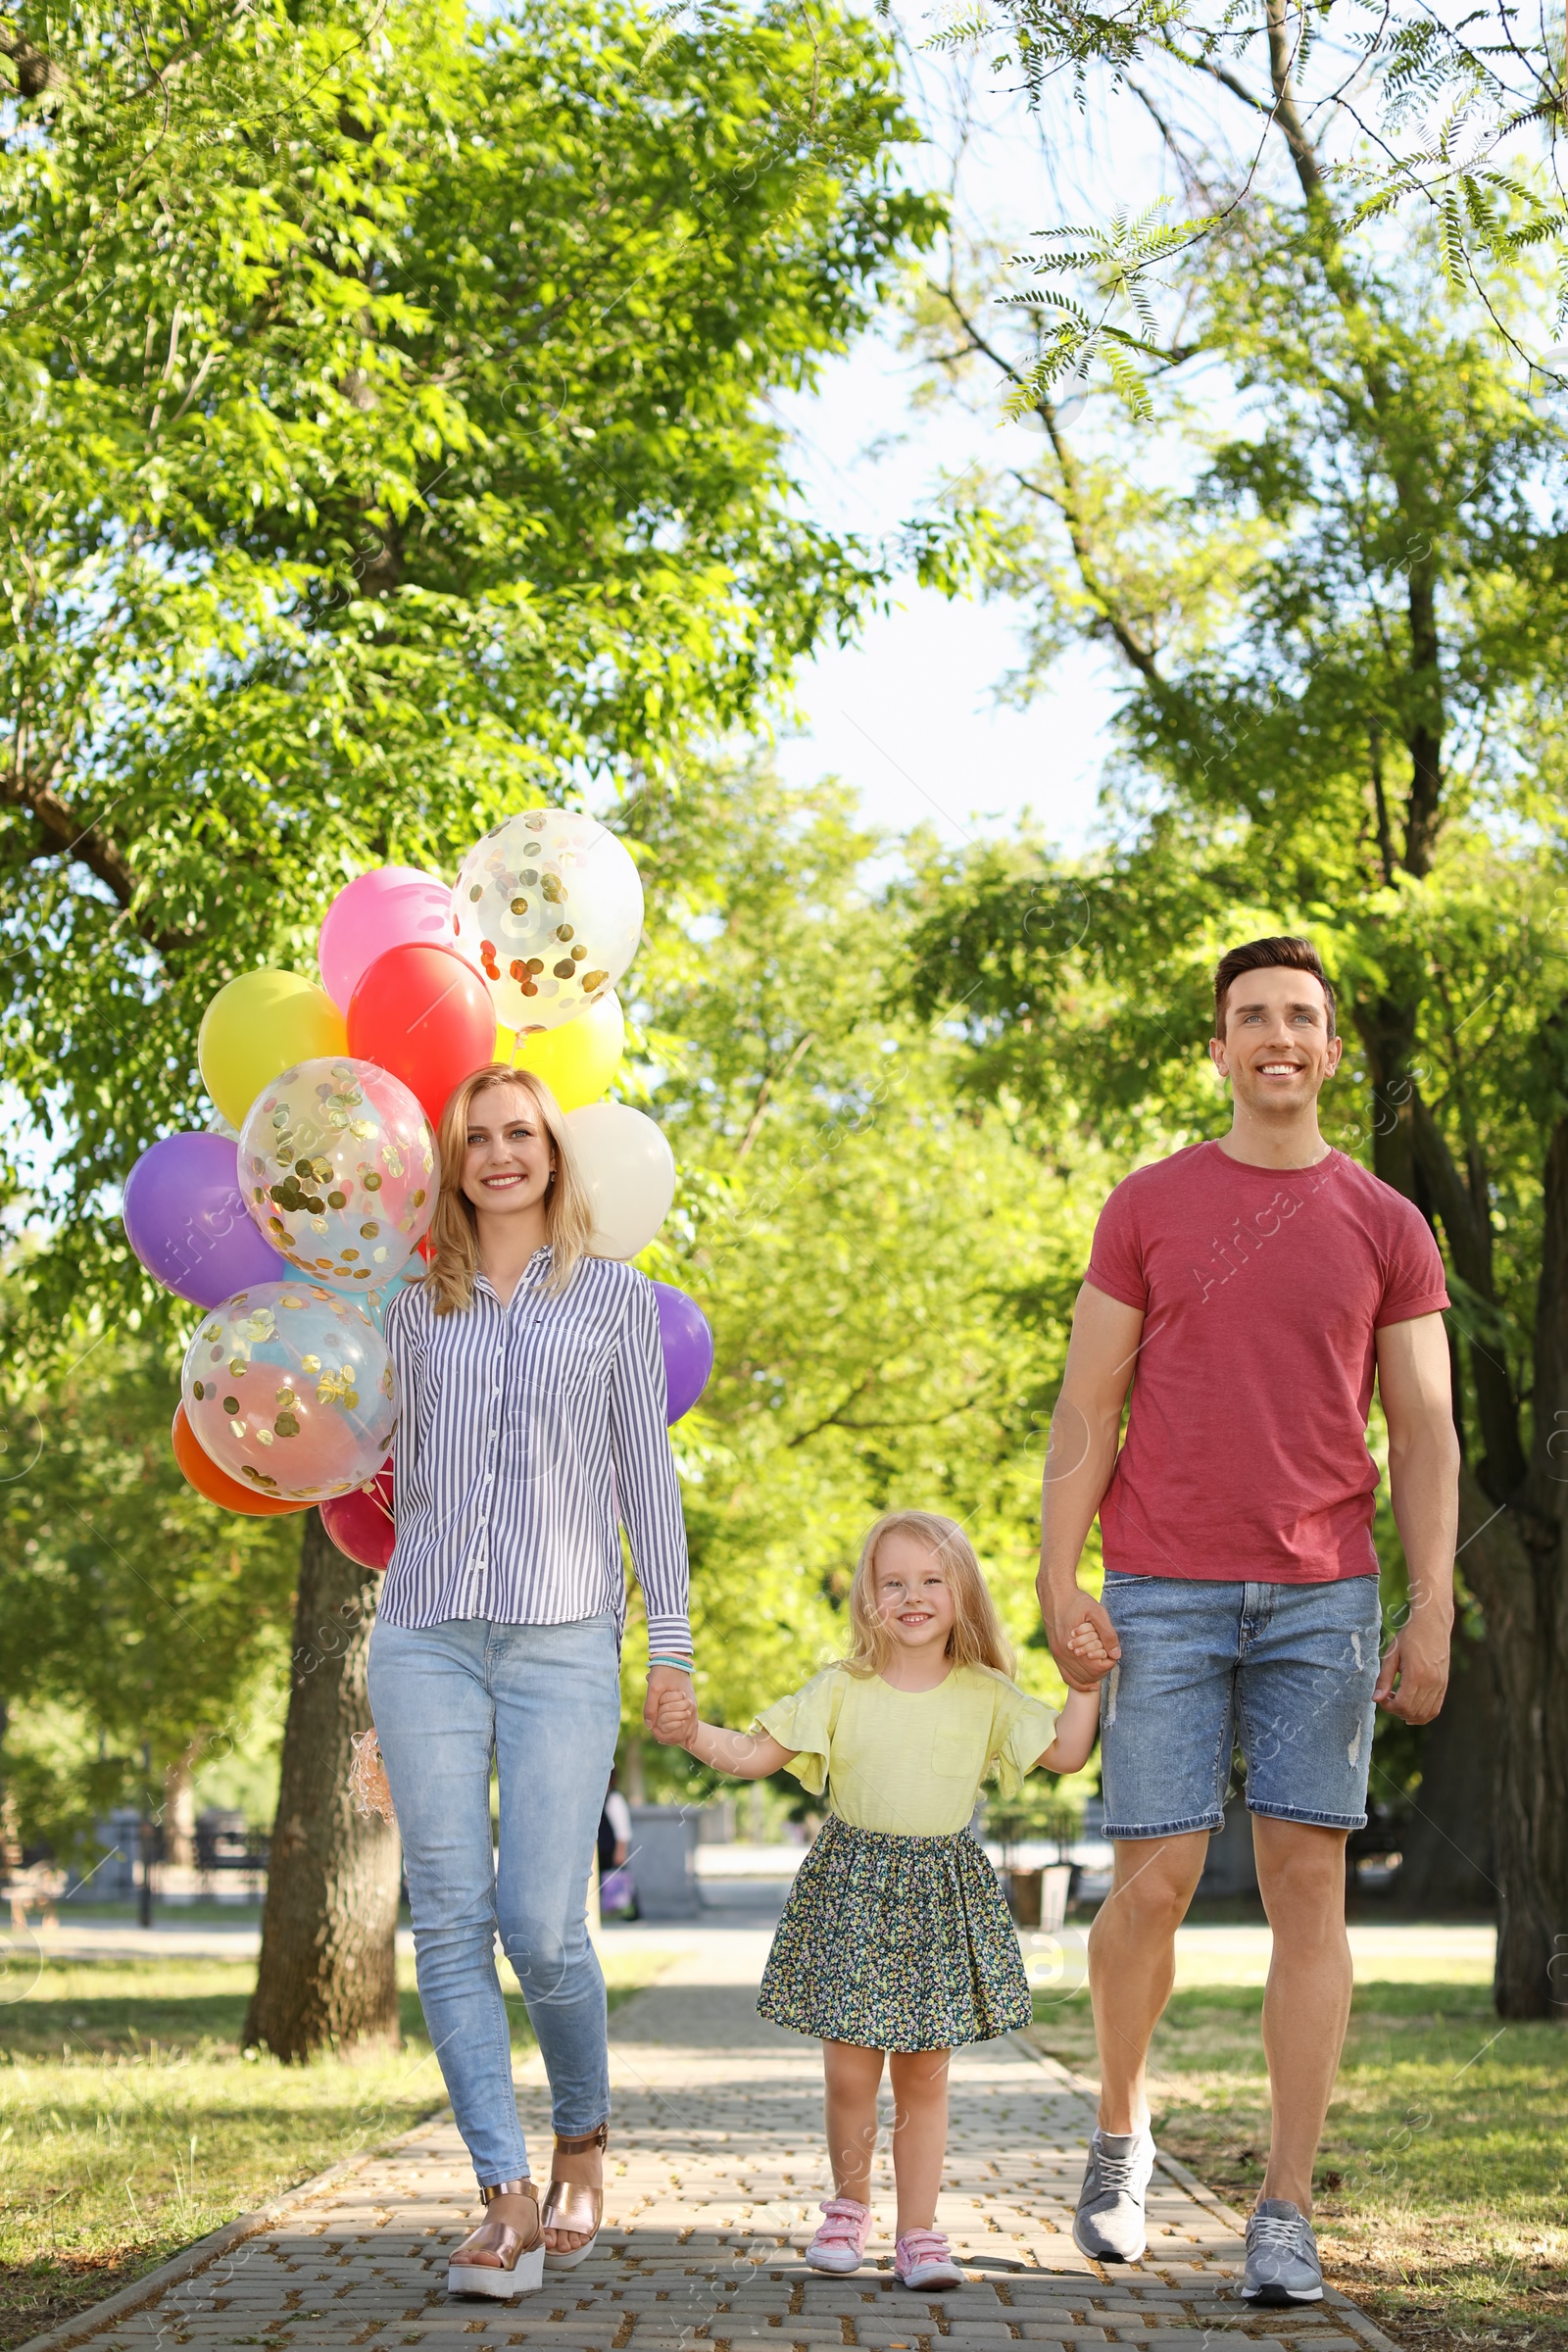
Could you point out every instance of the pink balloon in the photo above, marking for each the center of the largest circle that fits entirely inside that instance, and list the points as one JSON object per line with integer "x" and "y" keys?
{"x": 391, "y": 907}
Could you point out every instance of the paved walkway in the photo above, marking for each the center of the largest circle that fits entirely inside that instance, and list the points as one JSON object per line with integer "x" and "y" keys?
{"x": 717, "y": 2169}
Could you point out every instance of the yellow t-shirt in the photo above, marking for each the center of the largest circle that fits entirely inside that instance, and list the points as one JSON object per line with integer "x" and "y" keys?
{"x": 909, "y": 1762}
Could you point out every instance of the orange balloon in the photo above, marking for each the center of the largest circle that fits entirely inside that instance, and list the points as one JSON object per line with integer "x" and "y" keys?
{"x": 202, "y": 1473}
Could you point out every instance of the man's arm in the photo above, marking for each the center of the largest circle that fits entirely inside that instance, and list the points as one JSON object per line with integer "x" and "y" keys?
{"x": 1424, "y": 1489}
{"x": 1078, "y": 1462}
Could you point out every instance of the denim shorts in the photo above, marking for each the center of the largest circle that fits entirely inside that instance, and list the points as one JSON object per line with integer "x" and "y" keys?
{"x": 1289, "y": 1670}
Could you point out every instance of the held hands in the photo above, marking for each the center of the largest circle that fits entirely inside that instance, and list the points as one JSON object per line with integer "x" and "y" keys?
{"x": 669, "y": 1710}
{"x": 1083, "y": 1641}
{"x": 1088, "y": 1650}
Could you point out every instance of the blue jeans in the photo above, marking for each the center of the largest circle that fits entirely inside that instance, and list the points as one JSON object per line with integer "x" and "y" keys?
{"x": 1289, "y": 1669}
{"x": 544, "y": 1700}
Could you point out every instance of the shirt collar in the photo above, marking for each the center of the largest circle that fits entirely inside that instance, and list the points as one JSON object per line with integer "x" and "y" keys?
{"x": 537, "y": 1264}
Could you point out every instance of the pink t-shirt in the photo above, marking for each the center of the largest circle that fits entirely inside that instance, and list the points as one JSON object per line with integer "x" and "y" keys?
{"x": 1261, "y": 1289}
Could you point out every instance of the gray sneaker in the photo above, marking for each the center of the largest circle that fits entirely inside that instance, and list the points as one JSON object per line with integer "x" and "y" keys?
{"x": 1108, "y": 2224}
{"x": 1282, "y": 2264}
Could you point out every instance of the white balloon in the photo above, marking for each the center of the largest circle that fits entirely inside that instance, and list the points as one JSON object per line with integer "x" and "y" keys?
{"x": 550, "y": 909}
{"x": 629, "y": 1172}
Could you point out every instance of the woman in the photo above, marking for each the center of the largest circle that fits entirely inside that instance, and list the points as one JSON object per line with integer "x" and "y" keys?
{"x": 532, "y": 1420}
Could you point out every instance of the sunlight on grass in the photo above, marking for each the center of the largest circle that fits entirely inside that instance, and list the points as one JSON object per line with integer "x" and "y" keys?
{"x": 133, "y": 2123}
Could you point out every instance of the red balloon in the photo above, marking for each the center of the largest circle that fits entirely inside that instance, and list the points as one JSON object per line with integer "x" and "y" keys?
{"x": 361, "y": 1524}
{"x": 425, "y": 1014}
{"x": 200, "y": 1471}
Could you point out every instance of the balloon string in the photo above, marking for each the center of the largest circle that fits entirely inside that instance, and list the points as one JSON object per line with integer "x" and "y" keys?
{"x": 375, "y": 1493}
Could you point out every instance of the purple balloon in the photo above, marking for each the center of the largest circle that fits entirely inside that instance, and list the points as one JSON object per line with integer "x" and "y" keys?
{"x": 687, "y": 1338}
{"x": 187, "y": 1219}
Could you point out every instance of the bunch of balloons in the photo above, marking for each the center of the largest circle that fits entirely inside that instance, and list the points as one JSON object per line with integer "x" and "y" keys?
{"x": 316, "y": 1191}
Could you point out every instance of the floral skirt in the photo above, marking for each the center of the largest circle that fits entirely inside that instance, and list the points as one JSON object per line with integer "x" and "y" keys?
{"x": 895, "y": 1944}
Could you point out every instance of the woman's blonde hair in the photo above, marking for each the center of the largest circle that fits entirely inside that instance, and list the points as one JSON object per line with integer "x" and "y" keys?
{"x": 976, "y": 1639}
{"x": 454, "y": 1231}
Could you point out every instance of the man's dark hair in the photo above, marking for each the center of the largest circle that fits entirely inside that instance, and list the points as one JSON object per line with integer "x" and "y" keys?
{"x": 1262, "y": 956}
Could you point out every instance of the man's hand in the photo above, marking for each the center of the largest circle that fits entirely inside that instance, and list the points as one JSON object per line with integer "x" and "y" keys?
{"x": 1085, "y": 1658}
{"x": 1414, "y": 1674}
{"x": 1424, "y": 1483}
{"x": 670, "y": 1709}
{"x": 1078, "y": 1462}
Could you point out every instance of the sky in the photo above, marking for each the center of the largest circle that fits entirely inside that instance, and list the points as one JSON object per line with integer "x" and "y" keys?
{"x": 909, "y": 715}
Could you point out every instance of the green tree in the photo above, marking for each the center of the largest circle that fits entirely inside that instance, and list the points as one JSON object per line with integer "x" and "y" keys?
{"x": 142, "y": 1611}
{"x": 875, "y": 1253}
{"x": 384, "y": 448}
{"x": 385, "y": 456}
{"x": 1455, "y": 123}
{"x": 1340, "y": 617}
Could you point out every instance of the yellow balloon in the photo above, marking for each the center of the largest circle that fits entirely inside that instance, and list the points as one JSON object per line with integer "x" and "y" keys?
{"x": 258, "y": 1025}
{"x": 577, "y": 1061}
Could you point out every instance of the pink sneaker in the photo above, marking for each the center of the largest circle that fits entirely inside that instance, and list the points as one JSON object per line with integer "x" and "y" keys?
{"x": 840, "y": 2242}
{"x": 925, "y": 2259}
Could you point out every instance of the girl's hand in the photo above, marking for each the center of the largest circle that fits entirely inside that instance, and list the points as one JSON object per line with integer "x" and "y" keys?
{"x": 1088, "y": 1650}
{"x": 676, "y": 1721}
{"x": 670, "y": 1709}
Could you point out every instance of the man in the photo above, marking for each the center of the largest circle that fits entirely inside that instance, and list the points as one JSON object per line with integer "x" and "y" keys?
{"x": 1246, "y": 1288}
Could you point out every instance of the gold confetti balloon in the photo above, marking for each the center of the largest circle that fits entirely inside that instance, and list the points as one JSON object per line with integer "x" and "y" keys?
{"x": 550, "y": 908}
{"x": 291, "y": 1390}
{"x": 337, "y": 1165}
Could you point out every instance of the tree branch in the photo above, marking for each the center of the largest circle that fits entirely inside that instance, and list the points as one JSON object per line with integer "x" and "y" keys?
{"x": 36, "y": 71}
{"x": 1285, "y": 114}
{"x": 765, "y": 1094}
{"x": 1069, "y": 506}
{"x": 64, "y": 835}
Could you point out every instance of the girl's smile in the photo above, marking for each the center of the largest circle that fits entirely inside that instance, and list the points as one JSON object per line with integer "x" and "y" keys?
{"x": 914, "y": 1602}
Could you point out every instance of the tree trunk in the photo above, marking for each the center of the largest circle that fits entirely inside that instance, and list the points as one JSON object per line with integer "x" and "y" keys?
{"x": 1449, "y": 1842}
{"x": 1521, "y": 1590}
{"x": 327, "y": 1976}
{"x": 179, "y": 1809}
{"x": 1385, "y": 1026}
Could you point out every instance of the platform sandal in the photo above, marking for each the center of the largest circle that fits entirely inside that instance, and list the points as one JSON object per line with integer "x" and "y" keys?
{"x": 519, "y": 2266}
{"x": 569, "y": 2206}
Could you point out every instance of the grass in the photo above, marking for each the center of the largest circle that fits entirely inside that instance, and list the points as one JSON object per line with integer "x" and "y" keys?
{"x": 131, "y": 2122}
{"x": 1442, "y": 2185}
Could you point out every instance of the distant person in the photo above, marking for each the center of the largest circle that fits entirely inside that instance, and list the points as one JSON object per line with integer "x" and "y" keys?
{"x": 894, "y": 1942}
{"x": 1247, "y": 1289}
{"x": 615, "y": 1830}
{"x": 617, "y": 1892}
{"x": 532, "y": 1422}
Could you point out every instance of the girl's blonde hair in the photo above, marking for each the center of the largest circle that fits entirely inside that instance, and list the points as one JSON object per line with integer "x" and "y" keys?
{"x": 976, "y": 1639}
{"x": 454, "y": 1230}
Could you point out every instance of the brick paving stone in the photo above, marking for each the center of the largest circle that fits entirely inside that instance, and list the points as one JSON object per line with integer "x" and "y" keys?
{"x": 716, "y": 2171}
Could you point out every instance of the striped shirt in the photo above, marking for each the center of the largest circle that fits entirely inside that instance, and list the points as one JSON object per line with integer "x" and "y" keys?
{"x": 524, "y": 1432}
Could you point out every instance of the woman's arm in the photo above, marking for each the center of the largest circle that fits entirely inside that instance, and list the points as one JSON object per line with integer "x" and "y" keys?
{"x": 648, "y": 1494}
{"x": 743, "y": 1755}
{"x": 1077, "y": 1729}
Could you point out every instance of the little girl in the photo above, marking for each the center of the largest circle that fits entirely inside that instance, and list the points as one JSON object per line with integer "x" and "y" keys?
{"x": 895, "y": 1938}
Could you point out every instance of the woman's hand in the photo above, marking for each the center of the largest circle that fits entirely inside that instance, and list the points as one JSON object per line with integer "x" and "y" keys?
{"x": 670, "y": 1709}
